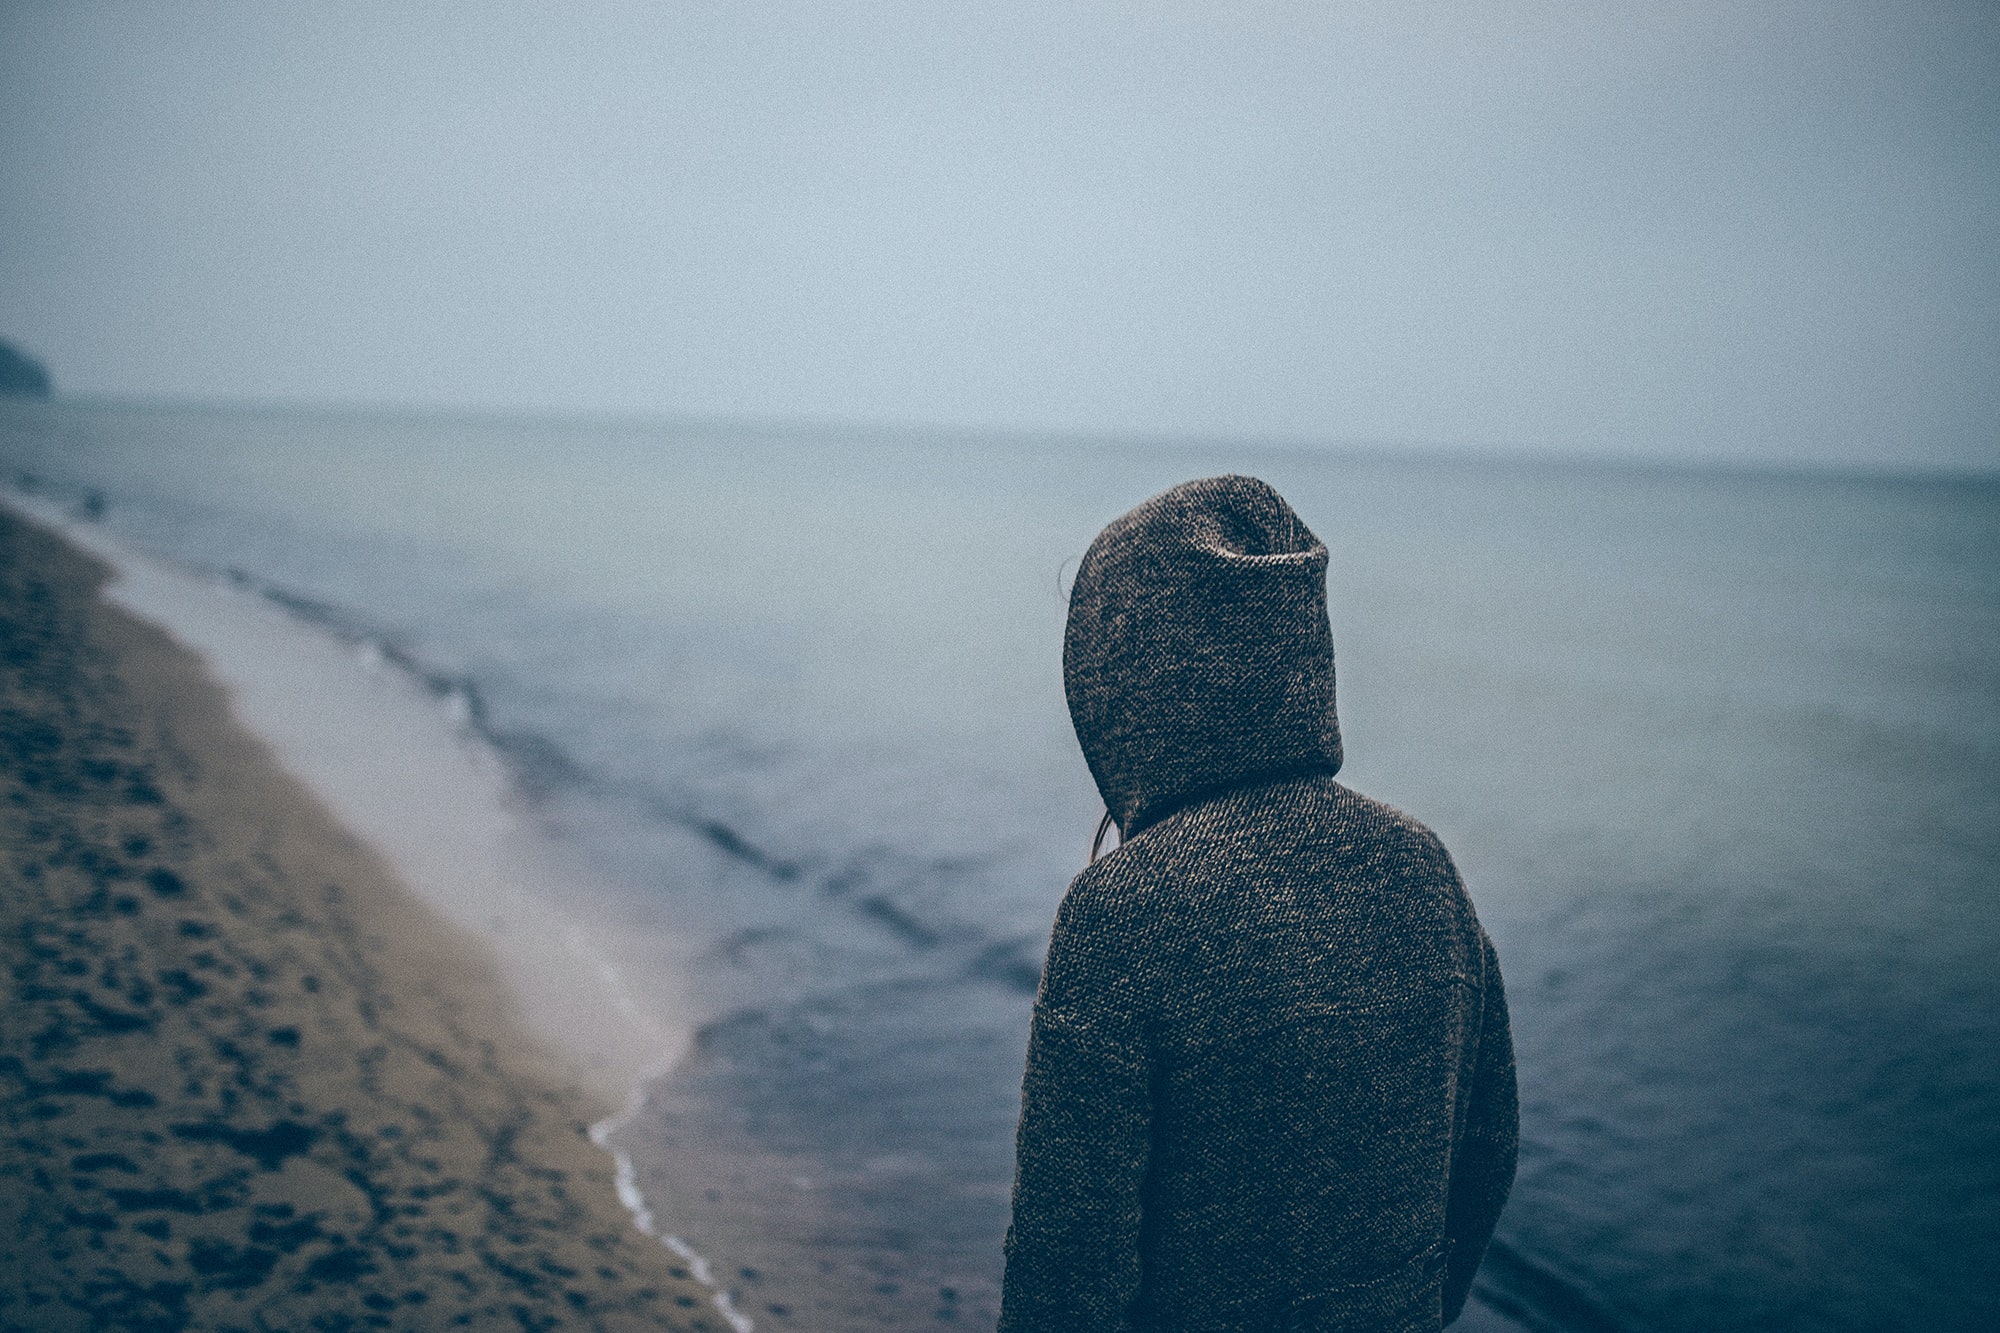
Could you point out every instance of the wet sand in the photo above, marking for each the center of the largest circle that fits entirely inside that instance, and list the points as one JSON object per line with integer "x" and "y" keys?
{"x": 246, "y": 1079}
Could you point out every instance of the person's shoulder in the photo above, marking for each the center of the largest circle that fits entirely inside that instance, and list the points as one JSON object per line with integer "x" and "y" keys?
{"x": 1115, "y": 886}
{"x": 1397, "y": 833}
{"x": 1105, "y": 934}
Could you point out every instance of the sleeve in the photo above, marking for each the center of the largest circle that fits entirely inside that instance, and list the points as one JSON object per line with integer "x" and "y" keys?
{"x": 1083, "y": 1143}
{"x": 1482, "y": 1167}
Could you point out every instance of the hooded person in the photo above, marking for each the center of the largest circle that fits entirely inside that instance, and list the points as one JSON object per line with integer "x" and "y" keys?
{"x": 1270, "y": 1084}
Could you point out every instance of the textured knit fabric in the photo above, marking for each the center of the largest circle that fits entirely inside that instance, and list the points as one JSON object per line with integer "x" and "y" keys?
{"x": 1270, "y": 1084}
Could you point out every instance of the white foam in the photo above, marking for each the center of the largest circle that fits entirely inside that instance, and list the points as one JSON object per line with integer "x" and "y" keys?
{"x": 642, "y": 1216}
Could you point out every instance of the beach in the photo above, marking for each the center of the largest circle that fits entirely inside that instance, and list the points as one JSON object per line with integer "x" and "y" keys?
{"x": 248, "y": 1079}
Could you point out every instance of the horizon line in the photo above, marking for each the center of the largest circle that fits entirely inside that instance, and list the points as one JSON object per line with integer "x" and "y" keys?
{"x": 1518, "y": 454}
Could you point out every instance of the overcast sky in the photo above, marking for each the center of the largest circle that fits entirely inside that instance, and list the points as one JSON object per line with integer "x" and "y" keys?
{"x": 1719, "y": 227}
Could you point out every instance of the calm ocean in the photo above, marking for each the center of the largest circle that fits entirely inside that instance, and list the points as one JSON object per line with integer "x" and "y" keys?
{"x": 1717, "y": 752}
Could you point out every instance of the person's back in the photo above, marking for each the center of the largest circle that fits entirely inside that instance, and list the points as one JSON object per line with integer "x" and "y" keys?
{"x": 1270, "y": 1083}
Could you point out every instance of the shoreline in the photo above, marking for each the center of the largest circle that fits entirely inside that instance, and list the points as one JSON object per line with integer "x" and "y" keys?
{"x": 258, "y": 1077}
{"x": 395, "y": 761}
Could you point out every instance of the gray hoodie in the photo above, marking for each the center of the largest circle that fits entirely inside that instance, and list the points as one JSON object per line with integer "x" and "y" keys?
{"x": 1270, "y": 1084}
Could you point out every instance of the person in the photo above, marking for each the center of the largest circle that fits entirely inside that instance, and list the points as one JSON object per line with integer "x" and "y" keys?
{"x": 1270, "y": 1083}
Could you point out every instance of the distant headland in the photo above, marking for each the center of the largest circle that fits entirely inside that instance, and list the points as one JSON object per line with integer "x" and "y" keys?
{"x": 20, "y": 374}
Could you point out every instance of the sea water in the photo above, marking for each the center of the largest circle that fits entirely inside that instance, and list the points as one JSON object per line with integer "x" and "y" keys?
{"x": 1718, "y": 753}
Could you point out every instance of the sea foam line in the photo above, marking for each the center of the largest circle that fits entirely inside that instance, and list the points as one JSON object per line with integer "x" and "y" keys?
{"x": 625, "y": 1176}
{"x": 629, "y": 1194}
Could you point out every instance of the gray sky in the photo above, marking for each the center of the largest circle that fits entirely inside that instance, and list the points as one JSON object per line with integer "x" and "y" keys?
{"x": 1720, "y": 228}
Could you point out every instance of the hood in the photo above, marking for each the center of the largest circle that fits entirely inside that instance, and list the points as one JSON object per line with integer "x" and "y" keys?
{"x": 1198, "y": 656}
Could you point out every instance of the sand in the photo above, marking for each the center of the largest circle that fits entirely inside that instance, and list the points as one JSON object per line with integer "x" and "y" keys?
{"x": 247, "y": 1080}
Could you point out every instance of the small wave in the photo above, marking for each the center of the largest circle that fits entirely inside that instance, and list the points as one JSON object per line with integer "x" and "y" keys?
{"x": 898, "y": 922}
{"x": 539, "y": 765}
{"x": 625, "y": 1177}
{"x": 458, "y": 691}
{"x": 736, "y": 845}
{"x": 86, "y": 504}
{"x": 1012, "y": 963}
{"x": 737, "y": 946}
{"x": 877, "y": 884}
{"x": 1534, "y": 1292}
{"x": 627, "y": 1180}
